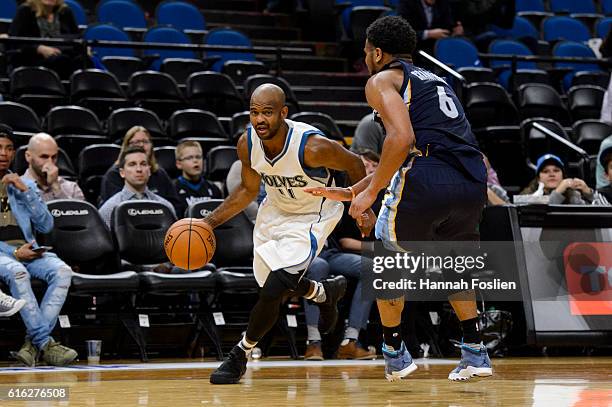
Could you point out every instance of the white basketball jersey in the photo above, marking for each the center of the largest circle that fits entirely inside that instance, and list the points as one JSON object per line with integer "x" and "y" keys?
{"x": 285, "y": 176}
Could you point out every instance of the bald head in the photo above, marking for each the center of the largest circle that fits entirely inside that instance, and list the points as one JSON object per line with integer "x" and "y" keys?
{"x": 269, "y": 94}
{"x": 41, "y": 140}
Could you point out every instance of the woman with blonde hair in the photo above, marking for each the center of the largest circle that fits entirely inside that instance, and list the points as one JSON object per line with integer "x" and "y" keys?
{"x": 45, "y": 19}
{"x": 159, "y": 182}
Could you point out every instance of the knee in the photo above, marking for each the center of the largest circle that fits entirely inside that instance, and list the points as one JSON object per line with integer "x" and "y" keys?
{"x": 64, "y": 276}
{"x": 318, "y": 269}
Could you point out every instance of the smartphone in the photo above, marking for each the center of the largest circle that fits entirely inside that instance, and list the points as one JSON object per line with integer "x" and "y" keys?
{"x": 42, "y": 249}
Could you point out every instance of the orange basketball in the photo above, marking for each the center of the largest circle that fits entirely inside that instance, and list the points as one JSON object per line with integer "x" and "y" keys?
{"x": 190, "y": 243}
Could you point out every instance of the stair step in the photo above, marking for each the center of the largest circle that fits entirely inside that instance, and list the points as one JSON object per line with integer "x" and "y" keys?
{"x": 322, "y": 49}
{"x": 338, "y": 110}
{"x": 258, "y": 31}
{"x": 330, "y": 93}
{"x": 297, "y": 78}
{"x": 313, "y": 63}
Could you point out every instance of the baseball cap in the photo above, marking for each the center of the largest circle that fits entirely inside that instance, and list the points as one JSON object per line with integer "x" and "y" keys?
{"x": 548, "y": 159}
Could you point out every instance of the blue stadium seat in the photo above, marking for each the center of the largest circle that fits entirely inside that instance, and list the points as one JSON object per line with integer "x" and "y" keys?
{"x": 509, "y": 47}
{"x": 603, "y": 27}
{"x": 564, "y": 28}
{"x": 572, "y": 6}
{"x": 110, "y": 33}
{"x": 606, "y": 7}
{"x": 8, "y": 8}
{"x": 106, "y": 1}
{"x": 346, "y": 13}
{"x": 78, "y": 11}
{"x": 167, "y": 35}
{"x": 227, "y": 36}
{"x": 520, "y": 29}
{"x": 122, "y": 13}
{"x": 573, "y": 49}
{"x": 180, "y": 15}
{"x": 458, "y": 52}
{"x": 529, "y": 5}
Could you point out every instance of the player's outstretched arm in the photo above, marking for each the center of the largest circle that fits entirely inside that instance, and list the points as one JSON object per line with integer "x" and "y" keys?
{"x": 242, "y": 196}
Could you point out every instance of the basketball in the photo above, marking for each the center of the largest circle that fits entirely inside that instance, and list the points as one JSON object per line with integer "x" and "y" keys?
{"x": 189, "y": 243}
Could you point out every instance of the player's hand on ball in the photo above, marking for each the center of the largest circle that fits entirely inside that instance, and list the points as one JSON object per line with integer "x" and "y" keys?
{"x": 366, "y": 222}
{"x": 333, "y": 193}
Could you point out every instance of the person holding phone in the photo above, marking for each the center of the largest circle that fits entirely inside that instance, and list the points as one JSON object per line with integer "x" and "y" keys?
{"x": 22, "y": 211}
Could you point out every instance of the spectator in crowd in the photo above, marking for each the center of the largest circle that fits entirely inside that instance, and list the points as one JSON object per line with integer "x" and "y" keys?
{"x": 22, "y": 211}
{"x": 159, "y": 181}
{"x": 46, "y": 19}
{"x": 606, "y": 105}
{"x": 41, "y": 156}
{"x": 431, "y": 19}
{"x": 550, "y": 180}
{"x": 605, "y": 159}
{"x": 496, "y": 194}
{"x": 369, "y": 136}
{"x": 600, "y": 171}
{"x": 135, "y": 170}
{"x": 233, "y": 181}
{"x": 191, "y": 187}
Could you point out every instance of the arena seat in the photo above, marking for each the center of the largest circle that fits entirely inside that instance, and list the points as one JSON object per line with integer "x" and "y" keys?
{"x": 457, "y": 52}
{"x": 82, "y": 240}
{"x": 488, "y": 104}
{"x": 585, "y": 102}
{"x": 559, "y": 28}
{"x": 208, "y": 143}
{"x": 240, "y": 70}
{"x": 539, "y": 100}
{"x": 78, "y": 11}
{"x": 321, "y": 121}
{"x": 218, "y": 162}
{"x": 194, "y": 123}
{"x": 94, "y": 161}
{"x": 603, "y": 27}
{"x": 589, "y": 133}
{"x": 121, "y": 120}
{"x": 98, "y": 90}
{"x": 123, "y": 67}
{"x": 108, "y": 32}
{"x": 227, "y": 36}
{"x": 167, "y": 35}
{"x": 521, "y": 28}
{"x": 596, "y": 78}
{"x": 240, "y": 121}
{"x": 533, "y": 10}
{"x": 509, "y": 47}
{"x": 8, "y": 8}
{"x": 181, "y": 68}
{"x": 139, "y": 228}
{"x": 156, "y": 91}
{"x": 64, "y": 164}
{"x": 537, "y": 143}
{"x": 252, "y": 82}
{"x": 122, "y": 14}
{"x": 72, "y": 120}
{"x": 477, "y": 74}
{"x": 180, "y": 15}
{"x": 214, "y": 92}
{"x": 166, "y": 158}
{"x": 37, "y": 87}
{"x": 22, "y": 119}
{"x": 360, "y": 17}
{"x": 573, "y": 49}
{"x": 572, "y": 6}
{"x": 73, "y": 144}
{"x": 606, "y": 7}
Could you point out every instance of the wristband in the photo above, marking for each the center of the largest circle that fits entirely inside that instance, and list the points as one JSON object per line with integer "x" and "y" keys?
{"x": 15, "y": 253}
{"x": 352, "y": 192}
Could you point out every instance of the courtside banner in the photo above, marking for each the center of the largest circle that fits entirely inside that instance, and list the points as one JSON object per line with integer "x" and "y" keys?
{"x": 496, "y": 271}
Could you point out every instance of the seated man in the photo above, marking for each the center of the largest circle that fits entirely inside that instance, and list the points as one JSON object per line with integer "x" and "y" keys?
{"x": 42, "y": 156}
{"x": 605, "y": 159}
{"x": 21, "y": 210}
{"x": 191, "y": 186}
{"x": 135, "y": 170}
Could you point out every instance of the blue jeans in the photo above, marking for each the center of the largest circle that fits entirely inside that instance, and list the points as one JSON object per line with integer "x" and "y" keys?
{"x": 345, "y": 264}
{"x": 39, "y": 320}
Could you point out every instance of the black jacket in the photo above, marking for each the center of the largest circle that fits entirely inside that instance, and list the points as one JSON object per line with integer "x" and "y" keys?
{"x": 414, "y": 13}
{"x": 24, "y": 25}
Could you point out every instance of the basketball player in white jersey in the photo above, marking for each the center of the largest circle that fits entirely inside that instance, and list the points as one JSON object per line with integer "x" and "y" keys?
{"x": 291, "y": 226}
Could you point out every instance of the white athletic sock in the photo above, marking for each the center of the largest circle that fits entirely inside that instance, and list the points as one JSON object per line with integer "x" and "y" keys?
{"x": 245, "y": 345}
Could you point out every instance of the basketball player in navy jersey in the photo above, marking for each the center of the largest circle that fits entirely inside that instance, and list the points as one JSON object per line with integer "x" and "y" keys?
{"x": 435, "y": 179}
{"x": 292, "y": 225}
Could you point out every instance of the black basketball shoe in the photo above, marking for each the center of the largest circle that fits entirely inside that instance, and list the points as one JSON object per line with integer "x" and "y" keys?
{"x": 232, "y": 369}
{"x": 334, "y": 291}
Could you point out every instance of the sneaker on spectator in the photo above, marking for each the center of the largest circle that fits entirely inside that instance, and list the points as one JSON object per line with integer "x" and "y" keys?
{"x": 9, "y": 305}
{"x": 57, "y": 355}
{"x": 27, "y": 354}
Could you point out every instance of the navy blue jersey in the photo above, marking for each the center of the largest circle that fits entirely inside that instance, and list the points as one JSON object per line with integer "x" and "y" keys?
{"x": 439, "y": 122}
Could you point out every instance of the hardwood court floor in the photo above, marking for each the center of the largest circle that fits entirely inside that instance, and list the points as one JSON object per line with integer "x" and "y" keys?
{"x": 540, "y": 382}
